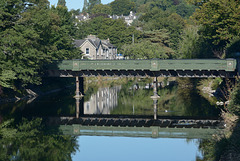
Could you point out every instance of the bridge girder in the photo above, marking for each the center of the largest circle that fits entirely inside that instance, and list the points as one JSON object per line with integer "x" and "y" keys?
{"x": 143, "y": 73}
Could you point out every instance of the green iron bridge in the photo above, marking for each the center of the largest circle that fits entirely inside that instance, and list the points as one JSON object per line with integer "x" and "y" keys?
{"x": 145, "y": 68}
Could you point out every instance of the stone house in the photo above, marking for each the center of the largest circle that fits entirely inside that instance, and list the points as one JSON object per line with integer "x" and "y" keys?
{"x": 95, "y": 48}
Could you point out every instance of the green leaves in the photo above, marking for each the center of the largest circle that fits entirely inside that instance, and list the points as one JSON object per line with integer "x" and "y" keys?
{"x": 32, "y": 35}
{"x": 147, "y": 50}
{"x": 221, "y": 20}
{"x": 30, "y": 140}
{"x": 122, "y": 7}
{"x": 116, "y": 30}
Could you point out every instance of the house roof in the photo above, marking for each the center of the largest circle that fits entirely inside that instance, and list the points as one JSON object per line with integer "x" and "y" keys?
{"x": 78, "y": 43}
{"x": 94, "y": 41}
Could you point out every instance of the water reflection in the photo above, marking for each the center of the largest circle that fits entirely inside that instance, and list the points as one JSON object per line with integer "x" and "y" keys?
{"x": 30, "y": 140}
{"x": 136, "y": 149}
{"x": 103, "y": 101}
{"x": 22, "y": 139}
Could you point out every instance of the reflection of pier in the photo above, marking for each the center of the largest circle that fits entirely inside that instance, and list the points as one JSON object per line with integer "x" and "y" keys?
{"x": 103, "y": 101}
{"x": 153, "y": 131}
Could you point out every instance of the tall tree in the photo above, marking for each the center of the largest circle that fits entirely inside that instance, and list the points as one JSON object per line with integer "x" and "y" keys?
{"x": 101, "y": 9}
{"x": 32, "y": 35}
{"x": 220, "y": 20}
{"x": 92, "y": 3}
{"x": 122, "y": 7}
{"x": 116, "y": 30}
{"x": 85, "y": 6}
{"x": 61, "y": 3}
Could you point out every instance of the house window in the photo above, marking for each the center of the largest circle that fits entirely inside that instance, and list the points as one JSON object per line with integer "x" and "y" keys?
{"x": 87, "y": 50}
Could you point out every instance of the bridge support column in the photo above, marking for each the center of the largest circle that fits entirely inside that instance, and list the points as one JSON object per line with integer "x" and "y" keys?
{"x": 155, "y": 85}
{"x": 77, "y": 107}
{"x": 155, "y": 97}
{"x": 78, "y": 92}
{"x": 155, "y": 108}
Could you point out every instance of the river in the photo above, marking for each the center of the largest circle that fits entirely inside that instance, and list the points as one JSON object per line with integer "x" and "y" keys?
{"x": 115, "y": 122}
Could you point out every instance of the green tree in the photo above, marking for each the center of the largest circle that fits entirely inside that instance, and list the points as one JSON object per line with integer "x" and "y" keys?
{"x": 189, "y": 44}
{"x": 92, "y": 3}
{"x": 158, "y": 19}
{"x": 30, "y": 140}
{"x": 146, "y": 50}
{"x": 185, "y": 10}
{"x": 75, "y": 12}
{"x": 32, "y": 35}
{"x": 116, "y": 30}
{"x": 122, "y": 7}
{"x": 220, "y": 20}
{"x": 193, "y": 45}
{"x": 61, "y": 2}
{"x": 101, "y": 9}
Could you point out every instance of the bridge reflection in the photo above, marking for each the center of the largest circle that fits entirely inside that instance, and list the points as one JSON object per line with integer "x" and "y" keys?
{"x": 97, "y": 112}
{"x": 152, "y": 132}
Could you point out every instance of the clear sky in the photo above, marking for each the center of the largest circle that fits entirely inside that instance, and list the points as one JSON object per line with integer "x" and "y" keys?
{"x": 76, "y": 4}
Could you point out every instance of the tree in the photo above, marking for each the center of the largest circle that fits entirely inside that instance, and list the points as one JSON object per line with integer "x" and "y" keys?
{"x": 92, "y": 3}
{"x": 101, "y": 9}
{"x": 158, "y": 19}
{"x": 220, "y": 20}
{"x": 61, "y": 3}
{"x": 75, "y": 12}
{"x": 31, "y": 140}
{"x": 85, "y": 6}
{"x": 122, "y": 7}
{"x": 32, "y": 35}
{"x": 116, "y": 30}
{"x": 146, "y": 50}
{"x": 188, "y": 46}
{"x": 185, "y": 10}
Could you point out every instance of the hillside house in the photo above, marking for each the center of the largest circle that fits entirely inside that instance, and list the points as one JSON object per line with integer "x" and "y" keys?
{"x": 128, "y": 19}
{"x": 95, "y": 48}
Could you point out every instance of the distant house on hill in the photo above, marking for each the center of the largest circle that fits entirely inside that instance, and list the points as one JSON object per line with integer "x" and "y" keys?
{"x": 95, "y": 48}
{"x": 82, "y": 17}
{"x": 128, "y": 19}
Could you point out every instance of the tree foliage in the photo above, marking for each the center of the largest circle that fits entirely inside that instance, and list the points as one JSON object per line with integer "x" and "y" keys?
{"x": 31, "y": 35}
{"x": 116, "y": 30}
{"x": 122, "y": 7}
{"x": 220, "y": 20}
{"x": 147, "y": 50}
{"x": 61, "y": 2}
{"x": 92, "y": 3}
{"x": 101, "y": 9}
{"x": 30, "y": 140}
{"x": 157, "y": 19}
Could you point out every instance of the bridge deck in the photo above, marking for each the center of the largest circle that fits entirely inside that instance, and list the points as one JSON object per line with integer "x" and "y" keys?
{"x": 145, "y": 68}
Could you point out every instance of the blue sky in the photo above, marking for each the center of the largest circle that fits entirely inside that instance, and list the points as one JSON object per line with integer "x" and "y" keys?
{"x": 76, "y": 4}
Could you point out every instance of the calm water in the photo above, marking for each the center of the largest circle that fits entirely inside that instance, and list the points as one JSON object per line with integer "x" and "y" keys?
{"x": 25, "y": 131}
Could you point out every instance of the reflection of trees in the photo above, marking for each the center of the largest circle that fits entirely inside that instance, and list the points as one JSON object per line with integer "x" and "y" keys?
{"x": 189, "y": 99}
{"x": 223, "y": 147}
{"x": 181, "y": 100}
{"x": 128, "y": 97}
{"x": 30, "y": 140}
